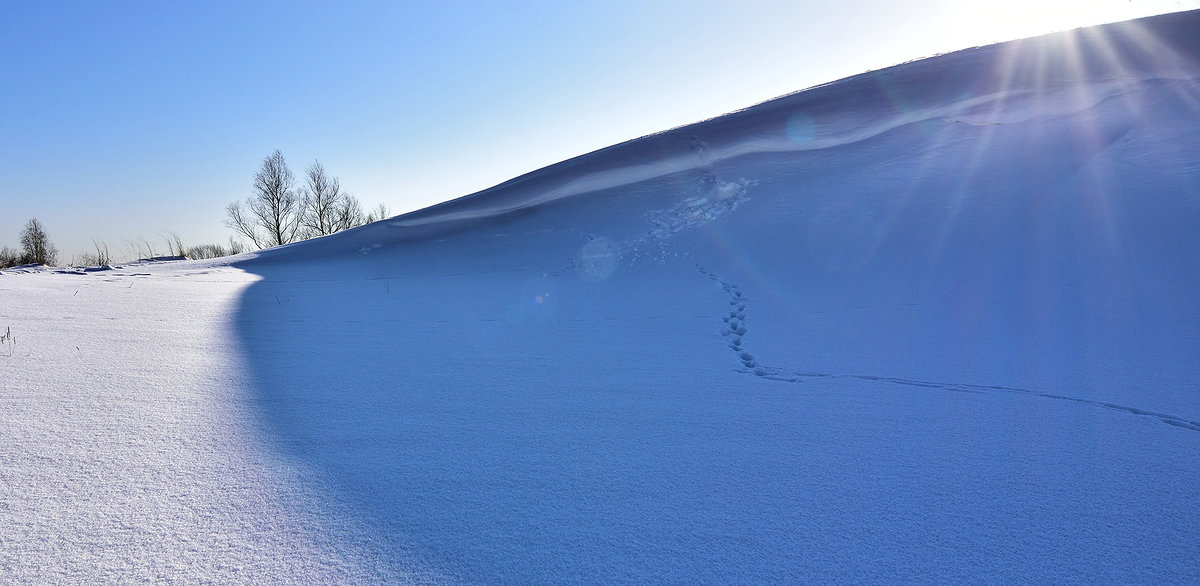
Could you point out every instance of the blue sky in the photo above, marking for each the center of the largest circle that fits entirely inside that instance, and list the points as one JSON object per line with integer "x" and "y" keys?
{"x": 124, "y": 120}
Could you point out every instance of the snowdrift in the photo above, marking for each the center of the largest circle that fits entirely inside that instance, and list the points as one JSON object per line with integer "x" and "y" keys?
{"x": 932, "y": 323}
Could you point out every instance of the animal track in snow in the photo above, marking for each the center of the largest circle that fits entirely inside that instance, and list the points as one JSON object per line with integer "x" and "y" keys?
{"x": 713, "y": 198}
{"x": 735, "y": 330}
{"x": 735, "y": 321}
{"x": 599, "y": 257}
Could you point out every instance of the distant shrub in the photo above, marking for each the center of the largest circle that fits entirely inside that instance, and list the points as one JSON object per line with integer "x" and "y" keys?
{"x": 215, "y": 250}
{"x": 379, "y": 212}
{"x": 9, "y": 257}
{"x": 206, "y": 251}
{"x": 236, "y": 246}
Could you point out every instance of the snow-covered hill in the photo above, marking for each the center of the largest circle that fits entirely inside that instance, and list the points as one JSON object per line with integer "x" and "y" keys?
{"x": 937, "y": 323}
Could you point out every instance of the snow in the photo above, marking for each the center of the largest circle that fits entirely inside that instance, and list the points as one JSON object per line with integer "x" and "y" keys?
{"x": 931, "y": 324}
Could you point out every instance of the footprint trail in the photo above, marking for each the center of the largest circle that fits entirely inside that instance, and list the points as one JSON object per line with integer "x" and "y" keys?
{"x": 734, "y": 333}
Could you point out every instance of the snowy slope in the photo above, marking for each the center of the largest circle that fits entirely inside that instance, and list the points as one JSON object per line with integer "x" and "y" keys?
{"x": 936, "y": 323}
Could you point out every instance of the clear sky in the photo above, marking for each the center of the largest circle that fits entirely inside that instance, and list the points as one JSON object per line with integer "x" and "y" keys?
{"x": 123, "y": 120}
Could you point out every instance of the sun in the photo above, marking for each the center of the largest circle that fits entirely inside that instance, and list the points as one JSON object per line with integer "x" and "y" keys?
{"x": 995, "y": 21}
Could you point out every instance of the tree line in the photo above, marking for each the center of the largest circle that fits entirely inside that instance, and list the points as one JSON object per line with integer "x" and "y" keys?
{"x": 276, "y": 212}
{"x": 37, "y": 249}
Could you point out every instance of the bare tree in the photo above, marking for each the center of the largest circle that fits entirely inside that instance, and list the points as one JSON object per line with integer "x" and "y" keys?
{"x": 236, "y": 246}
{"x": 35, "y": 245}
{"x": 379, "y": 212}
{"x": 327, "y": 209}
{"x": 273, "y": 207}
{"x": 350, "y": 214}
{"x": 245, "y": 225}
{"x": 9, "y": 257}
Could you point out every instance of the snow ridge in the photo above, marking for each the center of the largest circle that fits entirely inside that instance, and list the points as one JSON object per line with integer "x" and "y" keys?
{"x": 1000, "y": 84}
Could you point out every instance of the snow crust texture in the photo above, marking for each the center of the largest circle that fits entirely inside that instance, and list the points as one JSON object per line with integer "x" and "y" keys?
{"x": 129, "y": 443}
{"x": 933, "y": 324}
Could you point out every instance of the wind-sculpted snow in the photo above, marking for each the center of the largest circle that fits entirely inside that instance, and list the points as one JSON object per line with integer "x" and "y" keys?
{"x": 1003, "y": 84}
{"x": 801, "y": 132}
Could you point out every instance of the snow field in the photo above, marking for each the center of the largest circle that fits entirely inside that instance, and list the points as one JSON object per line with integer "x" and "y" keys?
{"x": 130, "y": 451}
